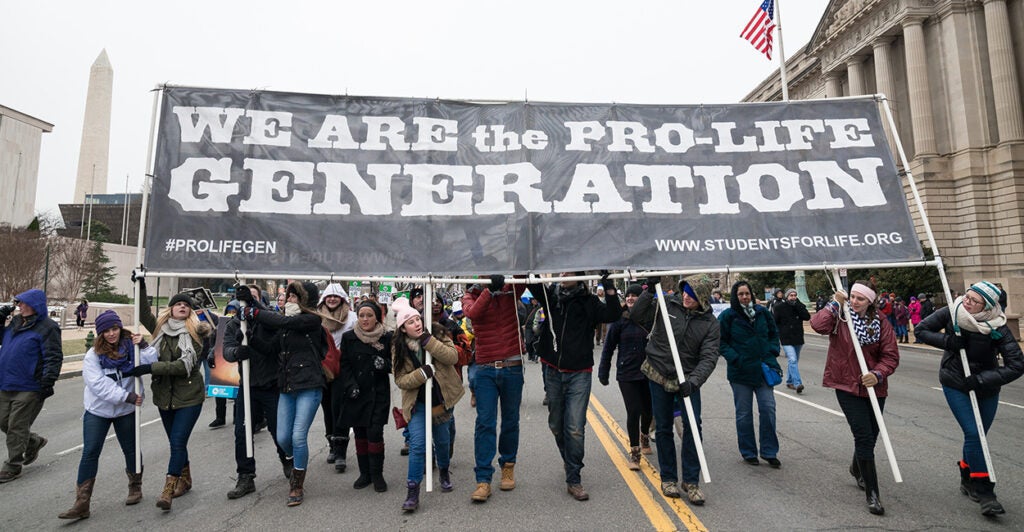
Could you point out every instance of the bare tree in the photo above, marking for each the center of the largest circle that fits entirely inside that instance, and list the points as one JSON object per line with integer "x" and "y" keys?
{"x": 22, "y": 260}
{"x": 69, "y": 265}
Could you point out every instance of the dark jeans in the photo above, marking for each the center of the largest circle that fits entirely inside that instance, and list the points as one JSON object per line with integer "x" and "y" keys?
{"x": 862, "y": 422}
{"x": 960, "y": 404}
{"x": 637, "y": 396}
{"x": 94, "y": 433}
{"x": 178, "y": 425}
{"x": 494, "y": 387}
{"x": 264, "y": 406}
{"x": 663, "y": 405}
{"x": 568, "y": 395}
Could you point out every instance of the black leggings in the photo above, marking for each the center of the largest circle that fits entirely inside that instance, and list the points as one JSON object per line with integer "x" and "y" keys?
{"x": 637, "y": 396}
{"x": 862, "y": 422}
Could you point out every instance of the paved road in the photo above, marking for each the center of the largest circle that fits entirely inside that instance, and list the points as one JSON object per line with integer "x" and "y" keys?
{"x": 812, "y": 491}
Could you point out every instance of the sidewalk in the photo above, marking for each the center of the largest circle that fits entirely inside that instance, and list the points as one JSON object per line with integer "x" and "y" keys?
{"x": 72, "y": 366}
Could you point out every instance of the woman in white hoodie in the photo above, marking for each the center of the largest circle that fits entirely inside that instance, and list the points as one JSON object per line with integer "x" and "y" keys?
{"x": 338, "y": 319}
{"x": 110, "y": 399}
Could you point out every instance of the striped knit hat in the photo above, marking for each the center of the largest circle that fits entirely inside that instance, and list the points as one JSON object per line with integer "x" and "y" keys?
{"x": 988, "y": 292}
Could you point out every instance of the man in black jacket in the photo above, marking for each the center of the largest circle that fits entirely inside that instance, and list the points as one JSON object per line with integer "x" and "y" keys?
{"x": 790, "y": 317}
{"x": 566, "y": 347}
{"x": 263, "y": 389}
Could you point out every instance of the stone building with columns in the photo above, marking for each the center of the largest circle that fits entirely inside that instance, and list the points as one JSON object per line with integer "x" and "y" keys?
{"x": 952, "y": 72}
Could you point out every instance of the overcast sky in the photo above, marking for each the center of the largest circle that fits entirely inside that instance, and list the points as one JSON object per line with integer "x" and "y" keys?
{"x": 668, "y": 52}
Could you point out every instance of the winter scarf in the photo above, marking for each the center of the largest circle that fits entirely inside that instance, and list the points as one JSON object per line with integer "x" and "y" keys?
{"x": 748, "y": 309}
{"x": 292, "y": 309}
{"x": 868, "y": 332}
{"x": 177, "y": 328}
{"x": 984, "y": 322}
{"x": 334, "y": 319}
{"x": 125, "y": 361}
{"x": 371, "y": 338}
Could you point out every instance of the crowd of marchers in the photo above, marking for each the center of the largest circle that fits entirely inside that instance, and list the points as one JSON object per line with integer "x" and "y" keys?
{"x": 315, "y": 348}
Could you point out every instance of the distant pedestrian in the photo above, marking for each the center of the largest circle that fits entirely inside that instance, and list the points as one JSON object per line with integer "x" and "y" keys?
{"x": 914, "y": 307}
{"x": 927, "y": 306}
{"x": 81, "y": 311}
{"x": 901, "y": 315}
{"x": 790, "y": 320}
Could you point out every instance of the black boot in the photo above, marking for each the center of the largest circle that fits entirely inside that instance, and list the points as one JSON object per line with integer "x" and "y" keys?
{"x": 867, "y": 471}
{"x": 985, "y": 489}
{"x": 244, "y": 486}
{"x": 364, "y": 470}
{"x": 376, "y": 461}
{"x": 412, "y": 500}
{"x": 965, "y": 482}
{"x": 855, "y": 471}
{"x": 342, "y": 450}
{"x": 332, "y": 449}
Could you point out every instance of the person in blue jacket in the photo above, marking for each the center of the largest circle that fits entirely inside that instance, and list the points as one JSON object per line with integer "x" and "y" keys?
{"x": 30, "y": 361}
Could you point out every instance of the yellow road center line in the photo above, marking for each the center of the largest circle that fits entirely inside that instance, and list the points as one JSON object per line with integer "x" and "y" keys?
{"x": 659, "y": 519}
{"x": 682, "y": 511}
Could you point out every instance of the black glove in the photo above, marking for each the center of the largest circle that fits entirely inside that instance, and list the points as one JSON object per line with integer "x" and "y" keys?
{"x": 649, "y": 284}
{"x": 497, "y": 283}
{"x": 605, "y": 282}
{"x": 132, "y": 397}
{"x": 424, "y": 338}
{"x": 972, "y": 382}
{"x": 379, "y": 363}
{"x": 687, "y": 388}
{"x": 954, "y": 343}
{"x": 427, "y": 370}
{"x": 243, "y": 294}
{"x": 140, "y": 370}
{"x": 5, "y": 311}
{"x": 353, "y": 393}
{"x": 211, "y": 360}
{"x": 45, "y": 391}
{"x": 603, "y": 379}
{"x": 242, "y": 352}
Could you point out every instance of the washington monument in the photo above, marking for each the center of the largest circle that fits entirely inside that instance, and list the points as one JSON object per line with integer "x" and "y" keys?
{"x": 95, "y": 148}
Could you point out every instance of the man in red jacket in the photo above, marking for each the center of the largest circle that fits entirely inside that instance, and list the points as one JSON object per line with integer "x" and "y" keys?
{"x": 499, "y": 378}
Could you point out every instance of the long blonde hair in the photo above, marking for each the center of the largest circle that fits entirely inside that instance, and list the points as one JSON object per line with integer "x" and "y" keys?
{"x": 191, "y": 324}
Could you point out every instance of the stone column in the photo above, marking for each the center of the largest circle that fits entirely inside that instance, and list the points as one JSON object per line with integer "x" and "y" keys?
{"x": 884, "y": 81}
{"x": 1004, "y": 72}
{"x": 833, "y": 85}
{"x": 920, "y": 93}
{"x": 855, "y": 71}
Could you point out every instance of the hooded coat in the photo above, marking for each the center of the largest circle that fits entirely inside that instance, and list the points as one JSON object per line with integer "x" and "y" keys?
{"x": 747, "y": 342}
{"x": 31, "y": 355}
{"x": 340, "y": 320}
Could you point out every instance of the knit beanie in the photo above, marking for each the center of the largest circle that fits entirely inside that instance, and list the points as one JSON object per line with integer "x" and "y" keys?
{"x": 181, "y": 297}
{"x": 106, "y": 320}
{"x": 634, "y": 290}
{"x": 403, "y": 311}
{"x": 790, "y": 291}
{"x": 988, "y": 292}
{"x": 372, "y": 306}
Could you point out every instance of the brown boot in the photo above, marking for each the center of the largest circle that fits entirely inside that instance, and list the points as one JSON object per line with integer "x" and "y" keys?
{"x": 83, "y": 494}
{"x": 134, "y": 488}
{"x": 295, "y": 493}
{"x": 185, "y": 482}
{"x": 508, "y": 476}
{"x": 634, "y": 459}
{"x": 170, "y": 485}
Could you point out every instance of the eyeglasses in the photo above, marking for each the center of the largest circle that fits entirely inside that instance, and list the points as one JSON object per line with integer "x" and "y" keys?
{"x": 974, "y": 300}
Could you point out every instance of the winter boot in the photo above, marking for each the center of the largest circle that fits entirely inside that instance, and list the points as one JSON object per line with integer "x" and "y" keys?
{"x": 965, "y": 481}
{"x": 184, "y": 483}
{"x": 83, "y": 494}
{"x": 985, "y": 489}
{"x": 332, "y": 450}
{"x": 634, "y": 459}
{"x": 339, "y": 460}
{"x": 508, "y": 476}
{"x": 134, "y": 488}
{"x": 870, "y": 476}
{"x": 445, "y": 479}
{"x": 645, "y": 444}
{"x": 412, "y": 500}
{"x": 167, "y": 495}
{"x": 287, "y": 466}
{"x": 363, "y": 459}
{"x": 295, "y": 484}
{"x": 376, "y": 461}
{"x": 855, "y": 471}
{"x": 244, "y": 486}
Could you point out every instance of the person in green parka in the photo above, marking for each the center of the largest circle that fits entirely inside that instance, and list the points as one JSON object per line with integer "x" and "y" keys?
{"x": 750, "y": 338}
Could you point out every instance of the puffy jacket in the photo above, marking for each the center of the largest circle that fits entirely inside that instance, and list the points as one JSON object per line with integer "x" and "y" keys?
{"x": 410, "y": 379}
{"x": 631, "y": 341}
{"x": 790, "y": 318}
{"x": 842, "y": 371}
{"x": 106, "y": 390}
{"x": 299, "y": 347}
{"x": 31, "y": 355}
{"x": 745, "y": 344}
{"x": 574, "y": 320}
{"x": 494, "y": 322}
{"x": 981, "y": 354}
{"x": 696, "y": 334}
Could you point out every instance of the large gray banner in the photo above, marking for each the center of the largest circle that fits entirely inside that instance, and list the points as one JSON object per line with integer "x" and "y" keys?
{"x": 288, "y": 183}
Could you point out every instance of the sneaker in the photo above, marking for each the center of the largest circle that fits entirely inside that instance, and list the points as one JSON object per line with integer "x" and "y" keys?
{"x": 482, "y": 492}
{"x": 508, "y": 477}
{"x": 800, "y": 389}
{"x": 774, "y": 462}
{"x": 32, "y": 452}
{"x": 670, "y": 489}
{"x": 577, "y": 492}
{"x": 259, "y": 426}
{"x": 7, "y": 476}
{"x": 694, "y": 494}
{"x": 790, "y": 386}
{"x": 217, "y": 423}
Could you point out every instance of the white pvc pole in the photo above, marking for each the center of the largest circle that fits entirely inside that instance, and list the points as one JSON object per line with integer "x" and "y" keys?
{"x": 782, "y": 52}
{"x": 679, "y": 373}
{"x": 246, "y": 396}
{"x": 871, "y": 390}
{"x": 428, "y": 418}
{"x": 945, "y": 283}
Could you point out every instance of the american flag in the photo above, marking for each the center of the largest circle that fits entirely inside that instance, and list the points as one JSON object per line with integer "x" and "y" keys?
{"x": 759, "y": 30}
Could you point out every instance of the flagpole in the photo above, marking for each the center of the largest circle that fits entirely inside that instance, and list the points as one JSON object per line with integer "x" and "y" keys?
{"x": 782, "y": 52}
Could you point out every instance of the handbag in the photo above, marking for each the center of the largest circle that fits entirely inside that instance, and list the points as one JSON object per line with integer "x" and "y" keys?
{"x": 771, "y": 376}
{"x": 400, "y": 422}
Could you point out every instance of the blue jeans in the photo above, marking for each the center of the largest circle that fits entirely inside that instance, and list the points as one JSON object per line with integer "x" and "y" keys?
{"x": 418, "y": 443}
{"x": 663, "y": 407}
{"x": 494, "y": 385}
{"x": 743, "y": 399}
{"x": 793, "y": 369}
{"x": 568, "y": 395}
{"x": 94, "y": 433}
{"x": 960, "y": 403}
{"x": 295, "y": 413}
{"x": 471, "y": 371}
{"x": 178, "y": 425}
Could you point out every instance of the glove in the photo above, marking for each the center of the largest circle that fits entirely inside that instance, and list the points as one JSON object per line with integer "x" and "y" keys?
{"x": 424, "y": 338}
{"x": 605, "y": 282}
{"x": 379, "y": 363}
{"x": 242, "y": 352}
{"x": 603, "y": 379}
{"x": 45, "y": 391}
{"x": 249, "y": 312}
{"x": 972, "y": 382}
{"x": 687, "y": 388}
{"x": 132, "y": 398}
{"x": 353, "y": 393}
{"x": 954, "y": 343}
{"x": 5, "y": 311}
{"x": 140, "y": 370}
{"x": 497, "y": 283}
{"x": 243, "y": 294}
{"x": 649, "y": 284}
{"x": 211, "y": 360}
{"x": 427, "y": 370}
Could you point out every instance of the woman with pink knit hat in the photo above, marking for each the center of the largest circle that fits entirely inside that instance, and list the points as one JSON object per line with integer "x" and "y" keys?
{"x": 976, "y": 324}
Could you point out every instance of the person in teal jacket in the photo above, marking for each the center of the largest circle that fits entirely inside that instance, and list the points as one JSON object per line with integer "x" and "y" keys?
{"x": 750, "y": 338}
